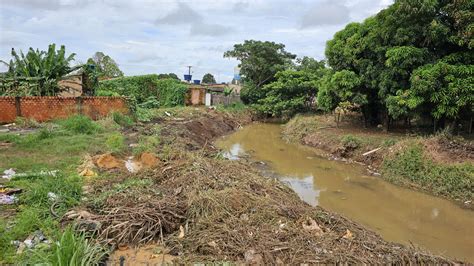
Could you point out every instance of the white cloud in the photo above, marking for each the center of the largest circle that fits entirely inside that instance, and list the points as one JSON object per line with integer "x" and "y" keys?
{"x": 162, "y": 36}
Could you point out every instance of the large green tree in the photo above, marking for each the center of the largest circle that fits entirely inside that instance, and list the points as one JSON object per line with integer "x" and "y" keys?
{"x": 208, "y": 78}
{"x": 401, "y": 48}
{"x": 43, "y": 68}
{"x": 259, "y": 62}
{"x": 294, "y": 90}
{"x": 105, "y": 66}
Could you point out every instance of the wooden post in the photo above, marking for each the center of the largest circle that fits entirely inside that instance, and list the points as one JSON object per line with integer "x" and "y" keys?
{"x": 18, "y": 105}
{"x": 79, "y": 101}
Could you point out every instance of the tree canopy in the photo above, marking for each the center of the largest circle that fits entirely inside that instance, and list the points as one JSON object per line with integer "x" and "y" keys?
{"x": 411, "y": 57}
{"x": 259, "y": 62}
{"x": 105, "y": 66}
{"x": 208, "y": 78}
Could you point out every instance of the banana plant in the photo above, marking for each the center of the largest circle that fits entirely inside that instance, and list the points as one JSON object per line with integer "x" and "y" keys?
{"x": 45, "y": 68}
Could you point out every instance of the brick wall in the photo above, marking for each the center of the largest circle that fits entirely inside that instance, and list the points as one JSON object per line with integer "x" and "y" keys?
{"x": 47, "y": 108}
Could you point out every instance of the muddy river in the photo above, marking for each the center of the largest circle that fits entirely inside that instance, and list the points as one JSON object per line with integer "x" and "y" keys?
{"x": 397, "y": 214}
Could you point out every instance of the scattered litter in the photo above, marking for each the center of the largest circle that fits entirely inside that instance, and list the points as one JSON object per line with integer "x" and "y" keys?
{"x": 9, "y": 173}
{"x": 348, "y": 235}
{"x": 9, "y": 191}
{"x": 132, "y": 166}
{"x": 52, "y": 196}
{"x": 168, "y": 114}
{"x": 7, "y": 199}
{"x": 311, "y": 225}
{"x": 372, "y": 151}
{"x": 4, "y": 130}
{"x": 253, "y": 258}
{"x": 87, "y": 172}
{"x": 35, "y": 239}
{"x": 181, "y": 232}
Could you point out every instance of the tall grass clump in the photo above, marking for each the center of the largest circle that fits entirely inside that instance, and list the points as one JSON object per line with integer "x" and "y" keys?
{"x": 80, "y": 124}
{"x": 122, "y": 120}
{"x": 411, "y": 166}
{"x": 71, "y": 249}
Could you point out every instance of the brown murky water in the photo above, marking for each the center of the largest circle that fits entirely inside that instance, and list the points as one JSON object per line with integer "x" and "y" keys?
{"x": 398, "y": 214}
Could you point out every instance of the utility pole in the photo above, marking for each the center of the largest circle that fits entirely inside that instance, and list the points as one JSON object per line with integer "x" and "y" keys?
{"x": 189, "y": 70}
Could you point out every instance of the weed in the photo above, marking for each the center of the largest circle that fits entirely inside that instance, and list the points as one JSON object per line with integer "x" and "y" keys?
{"x": 149, "y": 103}
{"x": 411, "y": 166}
{"x": 115, "y": 142}
{"x": 122, "y": 120}
{"x": 389, "y": 142}
{"x": 233, "y": 107}
{"x": 128, "y": 186}
{"x": 299, "y": 127}
{"x": 350, "y": 141}
{"x": 26, "y": 122}
{"x": 143, "y": 114}
{"x": 71, "y": 249}
{"x": 80, "y": 124}
{"x": 146, "y": 144}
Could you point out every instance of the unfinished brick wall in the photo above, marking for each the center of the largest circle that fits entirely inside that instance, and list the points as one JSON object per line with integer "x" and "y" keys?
{"x": 48, "y": 108}
{"x": 8, "y": 110}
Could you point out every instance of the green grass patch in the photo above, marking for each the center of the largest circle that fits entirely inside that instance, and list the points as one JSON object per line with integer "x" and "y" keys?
{"x": 146, "y": 144}
{"x": 80, "y": 124}
{"x": 55, "y": 146}
{"x": 411, "y": 166}
{"x": 33, "y": 212}
{"x": 299, "y": 127}
{"x": 115, "y": 142}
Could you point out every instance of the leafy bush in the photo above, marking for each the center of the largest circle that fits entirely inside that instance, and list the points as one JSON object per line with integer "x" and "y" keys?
{"x": 141, "y": 87}
{"x": 80, "y": 124}
{"x": 143, "y": 114}
{"x": 171, "y": 92}
{"x": 148, "y": 91}
{"x": 350, "y": 141}
{"x": 410, "y": 165}
{"x": 122, "y": 120}
{"x": 150, "y": 102}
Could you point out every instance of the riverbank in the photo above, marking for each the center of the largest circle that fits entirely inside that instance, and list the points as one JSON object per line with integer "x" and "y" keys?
{"x": 183, "y": 198}
{"x": 440, "y": 165}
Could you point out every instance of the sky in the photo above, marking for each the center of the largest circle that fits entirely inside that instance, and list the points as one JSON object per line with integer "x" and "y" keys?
{"x": 163, "y": 36}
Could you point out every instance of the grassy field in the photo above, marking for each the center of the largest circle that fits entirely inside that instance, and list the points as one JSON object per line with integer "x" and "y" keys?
{"x": 60, "y": 147}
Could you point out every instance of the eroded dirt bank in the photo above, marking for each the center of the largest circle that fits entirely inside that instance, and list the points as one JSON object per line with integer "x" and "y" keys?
{"x": 203, "y": 208}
